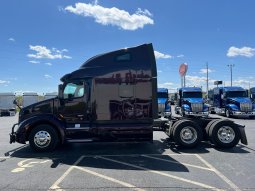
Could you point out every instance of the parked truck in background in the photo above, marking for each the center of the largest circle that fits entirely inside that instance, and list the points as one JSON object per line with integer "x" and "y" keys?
{"x": 209, "y": 101}
{"x": 49, "y": 96}
{"x": 164, "y": 107}
{"x": 233, "y": 101}
{"x": 191, "y": 103}
{"x": 252, "y": 95}
{"x": 29, "y": 98}
{"x": 7, "y": 108}
{"x": 113, "y": 97}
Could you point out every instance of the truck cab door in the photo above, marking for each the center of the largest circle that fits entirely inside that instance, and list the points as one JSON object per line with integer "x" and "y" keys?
{"x": 73, "y": 109}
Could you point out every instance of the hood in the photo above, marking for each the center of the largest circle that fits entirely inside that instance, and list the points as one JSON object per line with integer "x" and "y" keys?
{"x": 193, "y": 100}
{"x": 239, "y": 100}
{"x": 162, "y": 100}
{"x": 37, "y": 103}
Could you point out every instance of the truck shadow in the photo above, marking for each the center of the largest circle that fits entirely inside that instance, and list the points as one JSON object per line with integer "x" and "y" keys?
{"x": 203, "y": 148}
{"x": 130, "y": 153}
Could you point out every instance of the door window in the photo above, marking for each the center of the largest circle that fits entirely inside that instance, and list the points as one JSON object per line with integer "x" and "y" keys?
{"x": 74, "y": 90}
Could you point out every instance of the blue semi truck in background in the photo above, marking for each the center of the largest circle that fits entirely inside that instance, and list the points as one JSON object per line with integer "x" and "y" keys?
{"x": 233, "y": 101}
{"x": 252, "y": 95}
{"x": 190, "y": 103}
{"x": 164, "y": 107}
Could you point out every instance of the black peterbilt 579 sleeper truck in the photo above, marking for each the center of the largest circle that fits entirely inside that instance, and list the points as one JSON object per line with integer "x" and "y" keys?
{"x": 113, "y": 97}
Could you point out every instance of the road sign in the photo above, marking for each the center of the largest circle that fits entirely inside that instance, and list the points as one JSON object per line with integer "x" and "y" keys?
{"x": 183, "y": 69}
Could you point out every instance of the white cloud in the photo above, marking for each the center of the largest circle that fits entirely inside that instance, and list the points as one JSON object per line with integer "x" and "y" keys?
{"x": 245, "y": 51}
{"x": 5, "y": 85}
{"x": 48, "y": 64}
{"x": 11, "y": 39}
{"x": 35, "y": 62}
{"x": 145, "y": 12}
{"x": 15, "y": 78}
{"x": 160, "y": 55}
{"x": 165, "y": 85}
{"x": 204, "y": 71}
{"x": 159, "y": 71}
{"x": 67, "y": 56}
{"x": 180, "y": 56}
{"x": 197, "y": 81}
{"x": 250, "y": 77}
{"x": 48, "y": 76}
{"x": 1, "y": 82}
{"x": 112, "y": 16}
{"x": 43, "y": 52}
{"x": 64, "y": 50}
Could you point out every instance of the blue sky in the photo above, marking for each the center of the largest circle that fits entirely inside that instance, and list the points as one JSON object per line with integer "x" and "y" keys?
{"x": 40, "y": 41}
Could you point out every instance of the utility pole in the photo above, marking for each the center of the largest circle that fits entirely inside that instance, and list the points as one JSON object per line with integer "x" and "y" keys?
{"x": 231, "y": 71}
{"x": 207, "y": 79}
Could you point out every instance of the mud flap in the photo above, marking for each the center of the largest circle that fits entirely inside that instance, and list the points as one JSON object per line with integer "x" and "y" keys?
{"x": 242, "y": 133}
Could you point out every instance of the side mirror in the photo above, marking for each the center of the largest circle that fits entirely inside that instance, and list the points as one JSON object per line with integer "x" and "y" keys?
{"x": 15, "y": 102}
{"x": 60, "y": 91}
{"x": 222, "y": 96}
{"x": 251, "y": 96}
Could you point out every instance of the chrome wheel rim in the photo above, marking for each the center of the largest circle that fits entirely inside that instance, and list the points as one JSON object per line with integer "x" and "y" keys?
{"x": 42, "y": 139}
{"x": 188, "y": 135}
{"x": 226, "y": 134}
{"x": 227, "y": 113}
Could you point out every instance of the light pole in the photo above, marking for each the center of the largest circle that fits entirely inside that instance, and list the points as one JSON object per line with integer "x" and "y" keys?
{"x": 231, "y": 71}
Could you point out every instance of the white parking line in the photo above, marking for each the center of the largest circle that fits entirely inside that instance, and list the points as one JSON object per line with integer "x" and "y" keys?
{"x": 55, "y": 185}
{"x": 178, "y": 163}
{"x": 161, "y": 173}
{"x": 219, "y": 174}
{"x": 109, "y": 178}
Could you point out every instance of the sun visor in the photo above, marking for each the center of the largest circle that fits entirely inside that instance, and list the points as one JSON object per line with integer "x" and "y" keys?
{"x": 65, "y": 77}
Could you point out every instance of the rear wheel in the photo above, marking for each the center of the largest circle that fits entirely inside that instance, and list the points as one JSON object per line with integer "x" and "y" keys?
{"x": 43, "y": 138}
{"x": 208, "y": 128}
{"x": 224, "y": 134}
{"x": 187, "y": 134}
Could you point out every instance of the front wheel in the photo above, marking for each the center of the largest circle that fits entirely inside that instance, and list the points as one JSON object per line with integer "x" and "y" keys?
{"x": 228, "y": 114}
{"x": 43, "y": 138}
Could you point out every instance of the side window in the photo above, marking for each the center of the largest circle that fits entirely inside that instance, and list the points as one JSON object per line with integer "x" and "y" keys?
{"x": 73, "y": 90}
{"x": 123, "y": 57}
{"x": 126, "y": 90}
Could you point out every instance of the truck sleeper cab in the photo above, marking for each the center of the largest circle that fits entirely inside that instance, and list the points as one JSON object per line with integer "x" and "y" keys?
{"x": 233, "y": 101}
{"x": 111, "y": 97}
{"x": 190, "y": 103}
{"x": 164, "y": 107}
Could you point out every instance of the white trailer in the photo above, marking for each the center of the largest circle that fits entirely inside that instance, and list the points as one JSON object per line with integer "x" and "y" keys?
{"x": 49, "y": 96}
{"x": 7, "y": 108}
{"x": 29, "y": 98}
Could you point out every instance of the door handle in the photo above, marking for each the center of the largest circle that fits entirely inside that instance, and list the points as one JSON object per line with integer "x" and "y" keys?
{"x": 80, "y": 115}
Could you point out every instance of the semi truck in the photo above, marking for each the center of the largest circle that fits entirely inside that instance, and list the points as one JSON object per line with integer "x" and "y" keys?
{"x": 209, "y": 101}
{"x": 113, "y": 97}
{"x": 7, "y": 108}
{"x": 233, "y": 101}
{"x": 252, "y": 94}
{"x": 29, "y": 98}
{"x": 49, "y": 96}
{"x": 164, "y": 107}
{"x": 190, "y": 103}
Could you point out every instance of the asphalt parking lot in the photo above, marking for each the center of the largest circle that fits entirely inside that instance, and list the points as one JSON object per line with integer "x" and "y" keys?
{"x": 127, "y": 166}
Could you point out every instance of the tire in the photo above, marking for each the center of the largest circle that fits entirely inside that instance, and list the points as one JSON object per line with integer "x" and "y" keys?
{"x": 209, "y": 125}
{"x": 44, "y": 131}
{"x": 227, "y": 113}
{"x": 193, "y": 137}
{"x": 172, "y": 129}
{"x": 223, "y": 126}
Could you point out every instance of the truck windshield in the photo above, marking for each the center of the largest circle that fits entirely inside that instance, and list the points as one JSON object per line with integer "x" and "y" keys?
{"x": 192, "y": 95}
{"x": 236, "y": 94}
{"x": 162, "y": 95}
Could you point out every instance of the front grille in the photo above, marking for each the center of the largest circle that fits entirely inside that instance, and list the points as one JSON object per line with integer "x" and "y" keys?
{"x": 161, "y": 107}
{"x": 245, "y": 107}
{"x": 197, "y": 107}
